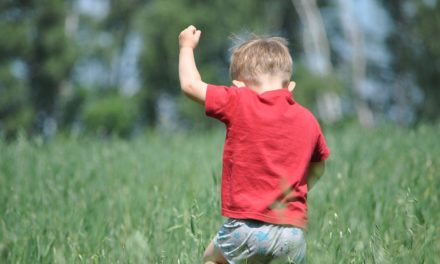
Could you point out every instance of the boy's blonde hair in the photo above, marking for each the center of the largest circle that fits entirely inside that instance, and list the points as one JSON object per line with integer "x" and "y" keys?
{"x": 261, "y": 55}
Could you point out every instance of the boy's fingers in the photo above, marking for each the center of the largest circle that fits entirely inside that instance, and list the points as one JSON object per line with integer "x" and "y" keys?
{"x": 197, "y": 34}
{"x": 192, "y": 28}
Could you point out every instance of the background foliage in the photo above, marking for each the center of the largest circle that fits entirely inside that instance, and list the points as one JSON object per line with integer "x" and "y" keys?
{"x": 54, "y": 53}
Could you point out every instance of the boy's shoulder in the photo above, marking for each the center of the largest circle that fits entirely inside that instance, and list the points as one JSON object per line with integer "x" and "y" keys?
{"x": 305, "y": 110}
{"x": 306, "y": 114}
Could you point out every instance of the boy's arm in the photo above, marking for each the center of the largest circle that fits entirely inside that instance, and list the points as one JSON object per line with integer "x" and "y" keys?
{"x": 316, "y": 170}
{"x": 190, "y": 80}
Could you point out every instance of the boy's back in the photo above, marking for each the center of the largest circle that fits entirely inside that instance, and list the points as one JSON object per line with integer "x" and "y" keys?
{"x": 269, "y": 144}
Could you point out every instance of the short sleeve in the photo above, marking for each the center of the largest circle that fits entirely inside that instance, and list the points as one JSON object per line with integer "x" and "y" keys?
{"x": 321, "y": 151}
{"x": 219, "y": 101}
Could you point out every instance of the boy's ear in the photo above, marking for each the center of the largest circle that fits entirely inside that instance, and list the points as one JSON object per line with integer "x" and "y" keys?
{"x": 238, "y": 83}
{"x": 291, "y": 86}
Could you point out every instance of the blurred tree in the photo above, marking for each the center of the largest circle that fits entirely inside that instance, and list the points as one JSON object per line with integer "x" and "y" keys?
{"x": 13, "y": 72}
{"x": 110, "y": 114}
{"x": 39, "y": 54}
{"x": 416, "y": 52}
{"x": 50, "y": 59}
{"x": 120, "y": 23}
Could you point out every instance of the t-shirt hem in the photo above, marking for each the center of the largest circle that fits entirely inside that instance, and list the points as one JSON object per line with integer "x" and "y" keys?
{"x": 297, "y": 222}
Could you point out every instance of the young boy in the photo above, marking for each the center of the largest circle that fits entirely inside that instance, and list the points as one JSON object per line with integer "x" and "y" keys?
{"x": 274, "y": 151}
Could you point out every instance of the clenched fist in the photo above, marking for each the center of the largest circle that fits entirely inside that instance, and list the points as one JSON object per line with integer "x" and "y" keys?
{"x": 189, "y": 37}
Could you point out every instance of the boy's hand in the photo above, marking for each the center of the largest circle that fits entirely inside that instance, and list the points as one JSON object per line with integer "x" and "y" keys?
{"x": 189, "y": 37}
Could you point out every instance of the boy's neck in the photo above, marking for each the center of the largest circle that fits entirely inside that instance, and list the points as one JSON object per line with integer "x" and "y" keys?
{"x": 267, "y": 83}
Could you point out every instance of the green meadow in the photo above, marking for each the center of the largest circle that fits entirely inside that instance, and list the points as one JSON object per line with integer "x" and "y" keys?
{"x": 156, "y": 198}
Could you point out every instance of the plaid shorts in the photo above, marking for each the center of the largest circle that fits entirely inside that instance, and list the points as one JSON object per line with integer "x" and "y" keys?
{"x": 251, "y": 241}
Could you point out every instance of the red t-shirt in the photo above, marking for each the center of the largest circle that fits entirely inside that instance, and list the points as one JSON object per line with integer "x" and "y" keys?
{"x": 270, "y": 142}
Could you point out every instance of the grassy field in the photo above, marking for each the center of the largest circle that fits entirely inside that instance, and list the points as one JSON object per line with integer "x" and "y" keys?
{"x": 155, "y": 199}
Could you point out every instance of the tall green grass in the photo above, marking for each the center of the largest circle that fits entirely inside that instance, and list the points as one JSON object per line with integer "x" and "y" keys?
{"x": 156, "y": 198}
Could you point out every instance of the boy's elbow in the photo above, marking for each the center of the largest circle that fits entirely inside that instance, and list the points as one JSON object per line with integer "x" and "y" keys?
{"x": 191, "y": 87}
{"x": 186, "y": 87}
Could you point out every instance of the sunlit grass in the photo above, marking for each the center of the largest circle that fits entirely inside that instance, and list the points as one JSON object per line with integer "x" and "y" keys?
{"x": 155, "y": 199}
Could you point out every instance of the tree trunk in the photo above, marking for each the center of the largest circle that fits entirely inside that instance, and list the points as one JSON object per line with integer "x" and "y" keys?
{"x": 317, "y": 51}
{"x": 314, "y": 36}
{"x": 358, "y": 61}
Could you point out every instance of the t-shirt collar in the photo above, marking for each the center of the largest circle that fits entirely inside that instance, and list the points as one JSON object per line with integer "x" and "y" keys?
{"x": 273, "y": 94}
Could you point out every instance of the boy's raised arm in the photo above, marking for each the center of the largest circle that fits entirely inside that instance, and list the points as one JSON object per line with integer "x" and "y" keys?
{"x": 190, "y": 80}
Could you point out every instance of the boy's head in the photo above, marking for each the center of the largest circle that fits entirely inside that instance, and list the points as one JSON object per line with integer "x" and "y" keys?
{"x": 261, "y": 56}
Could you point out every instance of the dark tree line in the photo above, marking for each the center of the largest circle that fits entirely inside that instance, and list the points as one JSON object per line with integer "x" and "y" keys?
{"x": 45, "y": 42}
